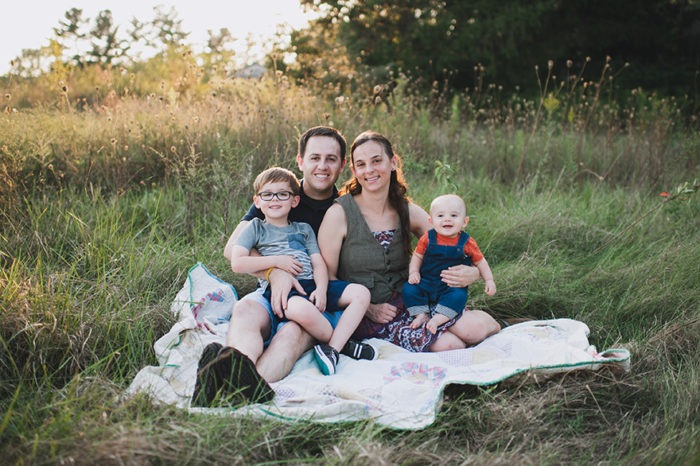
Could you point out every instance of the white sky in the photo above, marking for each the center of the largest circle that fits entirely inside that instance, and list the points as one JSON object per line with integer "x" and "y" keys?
{"x": 30, "y": 22}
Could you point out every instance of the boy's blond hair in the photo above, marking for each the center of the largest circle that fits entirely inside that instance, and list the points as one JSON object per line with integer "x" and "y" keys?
{"x": 274, "y": 175}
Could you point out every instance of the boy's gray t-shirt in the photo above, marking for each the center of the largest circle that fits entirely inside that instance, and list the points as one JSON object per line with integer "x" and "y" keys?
{"x": 296, "y": 239}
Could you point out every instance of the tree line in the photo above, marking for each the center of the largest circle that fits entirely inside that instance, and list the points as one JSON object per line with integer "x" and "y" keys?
{"x": 461, "y": 43}
{"x": 447, "y": 45}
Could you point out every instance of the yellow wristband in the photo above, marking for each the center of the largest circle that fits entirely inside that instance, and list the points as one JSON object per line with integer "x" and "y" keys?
{"x": 267, "y": 274}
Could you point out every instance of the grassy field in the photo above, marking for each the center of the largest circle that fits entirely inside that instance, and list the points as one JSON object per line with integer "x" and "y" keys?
{"x": 105, "y": 209}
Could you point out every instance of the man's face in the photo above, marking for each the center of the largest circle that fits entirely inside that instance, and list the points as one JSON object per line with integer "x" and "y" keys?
{"x": 321, "y": 165}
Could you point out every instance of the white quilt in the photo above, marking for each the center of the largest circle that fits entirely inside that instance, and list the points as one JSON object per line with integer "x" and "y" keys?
{"x": 400, "y": 389}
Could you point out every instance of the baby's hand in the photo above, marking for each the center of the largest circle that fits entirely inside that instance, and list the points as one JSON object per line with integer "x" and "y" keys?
{"x": 319, "y": 299}
{"x": 288, "y": 264}
{"x": 419, "y": 320}
{"x": 490, "y": 287}
{"x": 414, "y": 278}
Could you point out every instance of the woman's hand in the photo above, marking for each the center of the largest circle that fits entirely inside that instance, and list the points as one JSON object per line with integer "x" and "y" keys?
{"x": 459, "y": 276}
{"x": 381, "y": 313}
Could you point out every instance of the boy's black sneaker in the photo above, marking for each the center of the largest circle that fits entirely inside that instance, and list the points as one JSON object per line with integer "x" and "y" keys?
{"x": 326, "y": 358}
{"x": 359, "y": 350}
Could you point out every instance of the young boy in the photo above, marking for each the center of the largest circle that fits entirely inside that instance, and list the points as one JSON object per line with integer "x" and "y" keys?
{"x": 439, "y": 248}
{"x": 292, "y": 246}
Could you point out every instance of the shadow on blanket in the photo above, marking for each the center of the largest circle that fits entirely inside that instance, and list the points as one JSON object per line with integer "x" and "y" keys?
{"x": 400, "y": 389}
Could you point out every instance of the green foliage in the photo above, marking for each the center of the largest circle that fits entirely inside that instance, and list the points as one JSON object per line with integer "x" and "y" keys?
{"x": 452, "y": 43}
{"x": 105, "y": 206}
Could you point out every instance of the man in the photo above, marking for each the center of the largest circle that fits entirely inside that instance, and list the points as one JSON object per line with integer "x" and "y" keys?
{"x": 246, "y": 364}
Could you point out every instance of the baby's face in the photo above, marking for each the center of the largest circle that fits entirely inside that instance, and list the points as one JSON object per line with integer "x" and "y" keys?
{"x": 448, "y": 216}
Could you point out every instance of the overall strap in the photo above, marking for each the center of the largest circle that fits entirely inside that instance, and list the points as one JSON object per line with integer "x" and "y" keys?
{"x": 432, "y": 236}
{"x": 463, "y": 238}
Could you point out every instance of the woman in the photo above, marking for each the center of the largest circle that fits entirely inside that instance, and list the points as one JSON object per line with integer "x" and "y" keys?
{"x": 365, "y": 238}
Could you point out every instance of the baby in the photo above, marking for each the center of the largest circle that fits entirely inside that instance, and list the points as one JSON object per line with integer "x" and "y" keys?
{"x": 440, "y": 248}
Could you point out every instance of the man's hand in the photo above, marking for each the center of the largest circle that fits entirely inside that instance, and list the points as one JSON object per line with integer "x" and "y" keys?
{"x": 381, "y": 313}
{"x": 281, "y": 284}
{"x": 459, "y": 276}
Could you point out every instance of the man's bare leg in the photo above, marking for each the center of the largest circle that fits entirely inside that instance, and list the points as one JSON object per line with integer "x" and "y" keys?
{"x": 248, "y": 328}
{"x": 286, "y": 347}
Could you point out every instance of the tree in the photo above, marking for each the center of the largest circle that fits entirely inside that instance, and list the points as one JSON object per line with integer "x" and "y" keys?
{"x": 69, "y": 33}
{"x": 167, "y": 28}
{"x": 106, "y": 46}
{"x": 444, "y": 41}
{"x": 218, "y": 51}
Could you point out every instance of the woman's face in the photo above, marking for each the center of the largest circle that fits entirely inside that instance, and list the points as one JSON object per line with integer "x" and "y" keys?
{"x": 372, "y": 166}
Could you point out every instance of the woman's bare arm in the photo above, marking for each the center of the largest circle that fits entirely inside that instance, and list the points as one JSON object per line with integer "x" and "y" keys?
{"x": 331, "y": 235}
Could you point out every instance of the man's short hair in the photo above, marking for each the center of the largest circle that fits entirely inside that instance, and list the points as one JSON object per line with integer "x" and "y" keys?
{"x": 275, "y": 175}
{"x": 322, "y": 131}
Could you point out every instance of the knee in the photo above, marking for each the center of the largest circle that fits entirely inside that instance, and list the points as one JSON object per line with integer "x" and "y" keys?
{"x": 242, "y": 308}
{"x": 486, "y": 324}
{"x": 359, "y": 293}
{"x": 248, "y": 316}
{"x": 448, "y": 342}
{"x": 292, "y": 335}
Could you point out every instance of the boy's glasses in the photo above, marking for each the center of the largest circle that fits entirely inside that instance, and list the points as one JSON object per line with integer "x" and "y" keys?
{"x": 268, "y": 196}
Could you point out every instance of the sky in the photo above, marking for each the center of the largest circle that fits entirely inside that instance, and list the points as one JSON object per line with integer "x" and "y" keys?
{"x": 31, "y": 22}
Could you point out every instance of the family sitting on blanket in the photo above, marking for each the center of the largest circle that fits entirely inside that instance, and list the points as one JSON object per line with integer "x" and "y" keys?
{"x": 364, "y": 238}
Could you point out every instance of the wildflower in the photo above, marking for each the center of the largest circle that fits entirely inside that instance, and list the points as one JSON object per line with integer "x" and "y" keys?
{"x": 569, "y": 63}
{"x": 664, "y": 194}
{"x": 550, "y": 64}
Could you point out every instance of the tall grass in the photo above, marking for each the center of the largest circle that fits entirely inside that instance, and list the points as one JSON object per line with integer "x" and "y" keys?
{"x": 105, "y": 209}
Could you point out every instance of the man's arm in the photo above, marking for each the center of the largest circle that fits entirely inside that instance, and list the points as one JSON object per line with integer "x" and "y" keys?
{"x": 234, "y": 236}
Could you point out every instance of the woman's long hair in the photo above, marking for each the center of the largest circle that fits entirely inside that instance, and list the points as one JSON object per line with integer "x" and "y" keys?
{"x": 398, "y": 199}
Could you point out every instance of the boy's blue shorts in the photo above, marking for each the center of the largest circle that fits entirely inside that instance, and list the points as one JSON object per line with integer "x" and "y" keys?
{"x": 332, "y": 313}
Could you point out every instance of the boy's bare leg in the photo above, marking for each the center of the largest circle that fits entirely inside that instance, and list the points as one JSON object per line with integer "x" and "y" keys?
{"x": 287, "y": 346}
{"x": 436, "y": 321}
{"x": 355, "y": 299}
{"x": 306, "y": 314}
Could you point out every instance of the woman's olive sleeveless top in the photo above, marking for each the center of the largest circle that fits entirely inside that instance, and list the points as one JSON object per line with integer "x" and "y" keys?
{"x": 363, "y": 260}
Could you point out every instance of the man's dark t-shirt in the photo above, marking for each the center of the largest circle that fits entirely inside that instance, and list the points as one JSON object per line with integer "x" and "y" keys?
{"x": 308, "y": 211}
